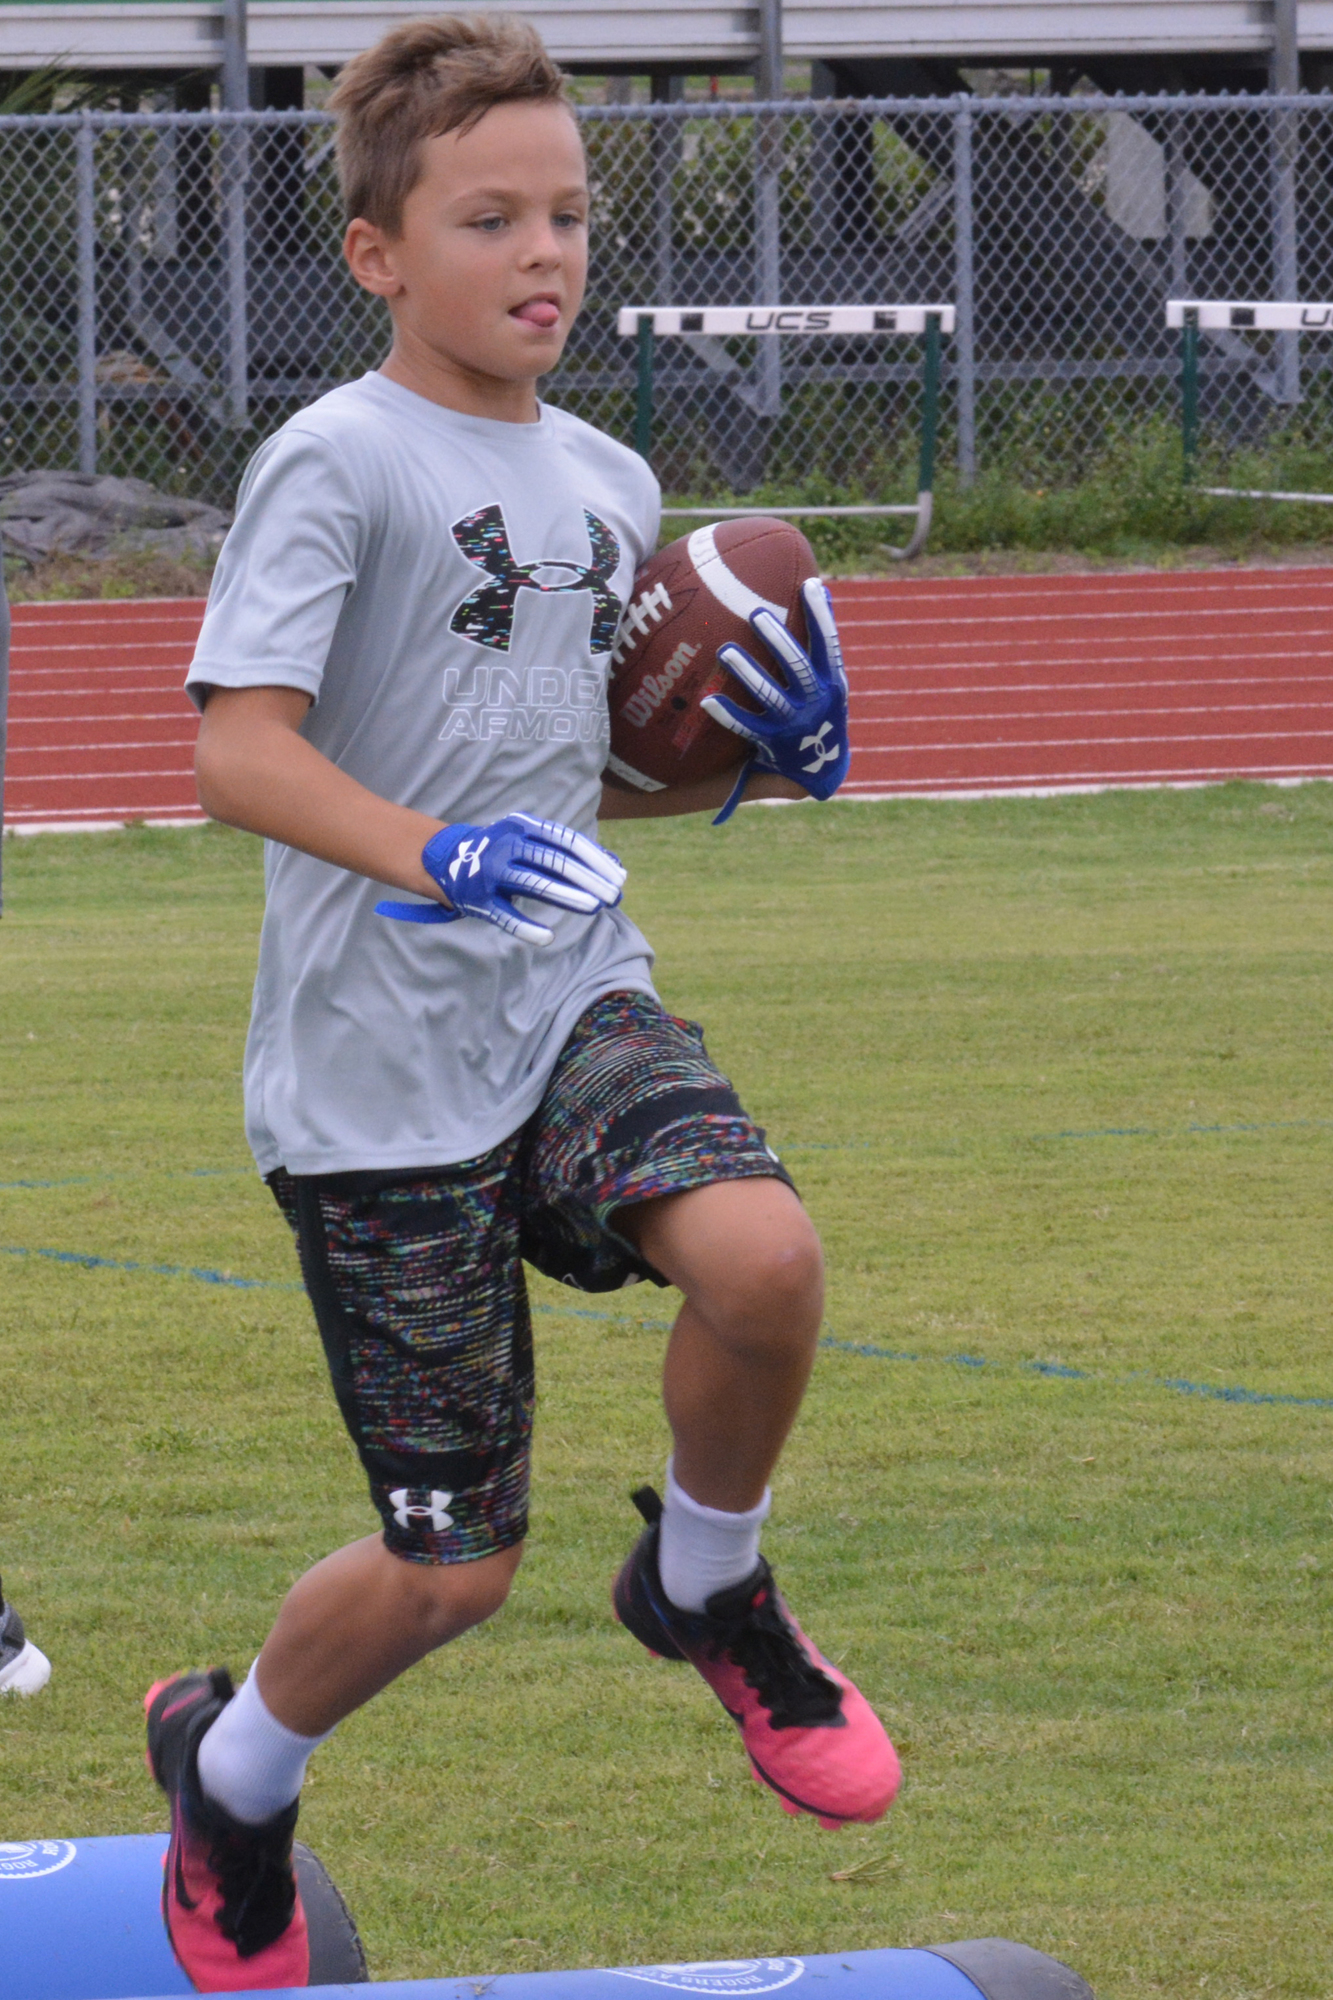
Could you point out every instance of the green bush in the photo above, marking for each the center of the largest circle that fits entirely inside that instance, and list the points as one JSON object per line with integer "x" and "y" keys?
{"x": 1132, "y": 503}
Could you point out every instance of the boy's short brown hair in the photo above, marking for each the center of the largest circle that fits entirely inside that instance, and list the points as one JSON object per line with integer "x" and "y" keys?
{"x": 419, "y": 81}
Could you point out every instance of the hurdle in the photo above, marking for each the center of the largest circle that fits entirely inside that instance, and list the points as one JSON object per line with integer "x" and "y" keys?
{"x": 1194, "y": 316}
{"x": 81, "y": 1920}
{"x": 648, "y": 324}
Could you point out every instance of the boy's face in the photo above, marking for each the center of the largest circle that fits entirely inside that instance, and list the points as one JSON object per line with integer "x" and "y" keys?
{"x": 489, "y": 270}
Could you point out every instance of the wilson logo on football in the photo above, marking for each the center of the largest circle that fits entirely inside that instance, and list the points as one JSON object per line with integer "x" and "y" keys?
{"x": 641, "y": 614}
{"x": 653, "y": 690}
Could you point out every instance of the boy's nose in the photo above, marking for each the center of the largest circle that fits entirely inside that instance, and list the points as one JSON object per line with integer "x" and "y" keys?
{"x": 545, "y": 247}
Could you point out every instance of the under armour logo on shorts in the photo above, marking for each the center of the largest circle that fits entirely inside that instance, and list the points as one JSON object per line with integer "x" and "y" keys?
{"x": 433, "y": 1509}
{"x": 486, "y": 615}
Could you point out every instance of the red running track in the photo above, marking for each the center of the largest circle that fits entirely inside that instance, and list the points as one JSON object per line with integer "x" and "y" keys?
{"x": 961, "y": 686}
{"x": 100, "y": 731}
{"x": 1050, "y": 683}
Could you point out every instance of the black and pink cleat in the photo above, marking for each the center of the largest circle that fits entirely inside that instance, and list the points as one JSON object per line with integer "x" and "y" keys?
{"x": 229, "y": 1896}
{"x": 811, "y": 1735}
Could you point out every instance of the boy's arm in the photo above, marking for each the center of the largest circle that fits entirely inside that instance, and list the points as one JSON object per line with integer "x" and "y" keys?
{"x": 256, "y": 771}
{"x": 705, "y": 795}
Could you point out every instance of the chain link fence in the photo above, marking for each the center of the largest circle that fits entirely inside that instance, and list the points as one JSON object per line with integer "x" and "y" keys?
{"x": 174, "y": 286}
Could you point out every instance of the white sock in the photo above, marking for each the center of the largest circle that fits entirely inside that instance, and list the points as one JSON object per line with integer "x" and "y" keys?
{"x": 250, "y": 1762}
{"x": 702, "y": 1550}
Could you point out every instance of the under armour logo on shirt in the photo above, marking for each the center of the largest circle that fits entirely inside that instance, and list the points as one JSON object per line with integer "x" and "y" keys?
{"x": 486, "y": 615}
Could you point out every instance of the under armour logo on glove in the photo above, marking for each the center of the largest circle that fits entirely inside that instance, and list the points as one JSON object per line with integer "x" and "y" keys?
{"x": 432, "y": 1509}
{"x": 468, "y": 856}
{"x": 486, "y": 615}
{"x": 825, "y": 752}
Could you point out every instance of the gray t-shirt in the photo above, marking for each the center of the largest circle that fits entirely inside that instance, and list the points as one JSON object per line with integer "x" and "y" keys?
{"x": 447, "y": 588}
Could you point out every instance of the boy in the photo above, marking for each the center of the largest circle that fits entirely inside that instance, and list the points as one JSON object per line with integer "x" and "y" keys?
{"x": 403, "y": 680}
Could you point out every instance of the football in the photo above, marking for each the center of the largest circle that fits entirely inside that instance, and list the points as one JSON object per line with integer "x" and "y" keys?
{"x": 688, "y": 600}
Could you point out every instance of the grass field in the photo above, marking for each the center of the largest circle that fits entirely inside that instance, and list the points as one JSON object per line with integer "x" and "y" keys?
{"x": 1054, "y": 1079}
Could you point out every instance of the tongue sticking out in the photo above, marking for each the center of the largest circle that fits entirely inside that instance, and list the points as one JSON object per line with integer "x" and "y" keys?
{"x": 538, "y": 312}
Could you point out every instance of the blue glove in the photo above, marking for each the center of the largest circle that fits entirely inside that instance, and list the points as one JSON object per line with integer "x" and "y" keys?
{"x": 802, "y": 732}
{"x": 482, "y": 868}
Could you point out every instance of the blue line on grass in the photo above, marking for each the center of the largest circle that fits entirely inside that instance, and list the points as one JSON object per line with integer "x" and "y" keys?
{"x": 1095, "y": 1132}
{"x": 1059, "y": 1369}
{"x": 1214, "y": 1391}
{"x": 1172, "y": 1131}
{"x": 204, "y": 1276}
{"x": 87, "y": 1262}
{"x": 70, "y": 1180}
{"x": 1220, "y": 1394}
{"x": 172, "y": 1173}
{"x": 611, "y": 1319}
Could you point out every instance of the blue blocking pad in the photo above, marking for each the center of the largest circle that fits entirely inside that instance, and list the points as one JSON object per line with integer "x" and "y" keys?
{"x": 82, "y": 1920}
{"x": 855, "y": 1975}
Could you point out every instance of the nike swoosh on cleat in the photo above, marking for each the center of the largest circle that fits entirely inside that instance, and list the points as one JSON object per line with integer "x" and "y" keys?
{"x": 186, "y": 1701}
{"x": 802, "y": 1805}
{"x": 183, "y": 1896}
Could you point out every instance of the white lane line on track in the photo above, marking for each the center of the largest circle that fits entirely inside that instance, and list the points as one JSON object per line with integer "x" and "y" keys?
{"x": 876, "y": 590}
{"x": 1189, "y": 621}
{"x": 861, "y": 697}
{"x": 1014, "y": 653}
{"x": 1046, "y": 786}
{"x": 123, "y": 643}
{"x": 85, "y": 777}
{"x": 983, "y": 656}
{"x": 1204, "y": 774}
{"x": 1037, "y": 715}
{"x": 76, "y": 683}
{"x": 33, "y": 751}
{"x": 170, "y": 672}
{"x": 1103, "y": 661}
{"x": 96, "y": 819}
{"x": 93, "y": 635}
{"x": 1089, "y": 742}
{"x": 1087, "y": 610}
{"x": 141, "y": 606}
{"x": 67, "y": 721}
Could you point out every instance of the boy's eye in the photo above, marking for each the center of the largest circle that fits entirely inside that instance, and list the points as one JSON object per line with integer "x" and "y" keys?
{"x": 490, "y": 223}
{"x": 569, "y": 220}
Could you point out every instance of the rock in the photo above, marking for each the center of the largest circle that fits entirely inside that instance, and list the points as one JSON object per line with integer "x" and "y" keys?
{"x": 96, "y": 514}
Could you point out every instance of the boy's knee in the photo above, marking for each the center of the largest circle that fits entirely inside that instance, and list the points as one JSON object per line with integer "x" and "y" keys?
{"x": 773, "y": 1292}
{"x": 445, "y": 1599}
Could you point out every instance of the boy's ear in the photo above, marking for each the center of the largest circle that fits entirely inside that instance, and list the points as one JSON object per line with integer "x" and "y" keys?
{"x": 370, "y": 259}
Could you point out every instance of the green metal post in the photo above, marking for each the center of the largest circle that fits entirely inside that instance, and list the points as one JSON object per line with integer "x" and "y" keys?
{"x": 1189, "y": 393}
{"x": 643, "y": 394}
{"x": 930, "y": 404}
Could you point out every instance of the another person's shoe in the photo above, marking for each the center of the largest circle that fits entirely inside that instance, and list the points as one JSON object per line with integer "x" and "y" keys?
{"x": 812, "y": 1736}
{"x": 23, "y": 1668}
{"x": 229, "y": 1897}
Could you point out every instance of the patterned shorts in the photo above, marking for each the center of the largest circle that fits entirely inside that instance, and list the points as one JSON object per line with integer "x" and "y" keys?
{"x": 416, "y": 1276}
